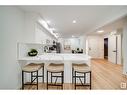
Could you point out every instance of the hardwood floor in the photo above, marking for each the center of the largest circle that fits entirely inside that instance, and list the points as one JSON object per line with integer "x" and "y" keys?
{"x": 105, "y": 76}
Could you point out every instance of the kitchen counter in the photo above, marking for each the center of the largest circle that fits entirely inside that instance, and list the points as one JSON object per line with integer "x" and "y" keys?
{"x": 59, "y": 57}
{"x": 67, "y": 59}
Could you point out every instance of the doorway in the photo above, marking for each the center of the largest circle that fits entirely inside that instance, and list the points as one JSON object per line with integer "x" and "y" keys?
{"x": 105, "y": 48}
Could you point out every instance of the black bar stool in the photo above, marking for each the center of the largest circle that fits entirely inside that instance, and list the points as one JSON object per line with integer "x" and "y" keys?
{"x": 42, "y": 74}
{"x": 79, "y": 71}
{"x": 54, "y": 69}
{"x": 33, "y": 69}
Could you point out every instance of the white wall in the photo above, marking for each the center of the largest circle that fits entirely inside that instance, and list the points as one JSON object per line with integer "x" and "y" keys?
{"x": 11, "y": 31}
{"x": 61, "y": 40}
{"x": 30, "y": 26}
{"x": 41, "y": 35}
{"x": 35, "y": 33}
{"x": 74, "y": 42}
{"x": 125, "y": 48}
{"x": 16, "y": 26}
{"x": 119, "y": 49}
{"x": 83, "y": 43}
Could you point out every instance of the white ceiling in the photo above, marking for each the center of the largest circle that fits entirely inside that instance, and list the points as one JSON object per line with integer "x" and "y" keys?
{"x": 112, "y": 26}
{"x": 89, "y": 18}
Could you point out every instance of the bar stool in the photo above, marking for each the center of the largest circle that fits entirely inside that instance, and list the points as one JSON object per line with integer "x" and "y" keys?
{"x": 79, "y": 71}
{"x": 54, "y": 69}
{"x": 33, "y": 69}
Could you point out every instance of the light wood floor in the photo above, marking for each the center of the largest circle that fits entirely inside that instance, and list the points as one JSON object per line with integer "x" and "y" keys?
{"x": 105, "y": 75}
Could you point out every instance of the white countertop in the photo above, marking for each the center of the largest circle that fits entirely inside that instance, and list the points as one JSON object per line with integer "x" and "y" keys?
{"x": 58, "y": 57}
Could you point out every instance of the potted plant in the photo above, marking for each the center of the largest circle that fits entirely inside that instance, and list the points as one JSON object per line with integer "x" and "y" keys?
{"x": 33, "y": 52}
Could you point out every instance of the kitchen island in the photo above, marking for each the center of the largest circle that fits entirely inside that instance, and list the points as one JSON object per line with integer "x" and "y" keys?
{"x": 67, "y": 59}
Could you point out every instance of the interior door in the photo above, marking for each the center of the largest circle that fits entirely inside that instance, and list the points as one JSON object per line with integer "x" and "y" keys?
{"x": 112, "y": 48}
{"x": 92, "y": 47}
{"x": 106, "y": 48}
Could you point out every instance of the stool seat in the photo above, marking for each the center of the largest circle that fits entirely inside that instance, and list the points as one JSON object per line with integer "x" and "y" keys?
{"x": 37, "y": 64}
{"x": 55, "y": 67}
{"x": 80, "y": 64}
{"x": 32, "y": 67}
{"x": 82, "y": 68}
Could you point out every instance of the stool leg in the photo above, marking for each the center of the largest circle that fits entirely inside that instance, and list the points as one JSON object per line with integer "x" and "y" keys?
{"x": 84, "y": 78}
{"x": 37, "y": 79}
{"x": 47, "y": 79}
{"x": 72, "y": 76}
{"x": 31, "y": 77}
{"x": 43, "y": 74}
{"x": 63, "y": 76}
{"x": 75, "y": 79}
{"x": 51, "y": 77}
{"x": 90, "y": 80}
{"x": 62, "y": 79}
{"x": 22, "y": 79}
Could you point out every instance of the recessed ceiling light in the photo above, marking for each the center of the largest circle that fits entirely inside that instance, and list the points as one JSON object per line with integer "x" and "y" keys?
{"x": 100, "y": 31}
{"x": 73, "y": 36}
{"x": 74, "y": 21}
{"x": 48, "y": 21}
{"x": 52, "y": 29}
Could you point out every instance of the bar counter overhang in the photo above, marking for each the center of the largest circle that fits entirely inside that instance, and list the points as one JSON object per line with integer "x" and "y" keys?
{"x": 67, "y": 59}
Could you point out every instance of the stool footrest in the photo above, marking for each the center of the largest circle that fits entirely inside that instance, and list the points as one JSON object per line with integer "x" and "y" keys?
{"x": 30, "y": 84}
{"x": 53, "y": 84}
{"x": 87, "y": 84}
{"x": 56, "y": 76}
{"x": 79, "y": 76}
{"x": 38, "y": 76}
